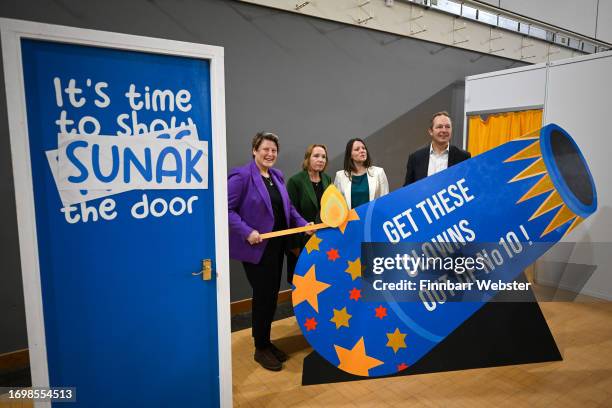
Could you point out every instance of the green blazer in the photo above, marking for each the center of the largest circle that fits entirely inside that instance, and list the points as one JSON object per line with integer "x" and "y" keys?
{"x": 304, "y": 200}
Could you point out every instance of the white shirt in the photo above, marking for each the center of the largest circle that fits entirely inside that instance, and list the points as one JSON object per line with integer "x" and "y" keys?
{"x": 437, "y": 161}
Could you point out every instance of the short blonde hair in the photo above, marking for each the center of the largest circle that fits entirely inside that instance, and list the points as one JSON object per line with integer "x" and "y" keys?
{"x": 309, "y": 153}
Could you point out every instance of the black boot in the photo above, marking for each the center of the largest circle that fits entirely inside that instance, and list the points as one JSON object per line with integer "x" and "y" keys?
{"x": 278, "y": 353}
{"x": 267, "y": 359}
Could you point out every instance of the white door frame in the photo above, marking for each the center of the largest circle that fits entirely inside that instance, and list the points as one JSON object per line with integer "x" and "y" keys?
{"x": 12, "y": 32}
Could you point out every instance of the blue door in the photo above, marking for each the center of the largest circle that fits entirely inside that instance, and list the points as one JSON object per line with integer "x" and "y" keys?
{"x": 126, "y": 322}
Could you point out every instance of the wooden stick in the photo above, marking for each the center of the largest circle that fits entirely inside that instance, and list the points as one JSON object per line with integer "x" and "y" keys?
{"x": 292, "y": 231}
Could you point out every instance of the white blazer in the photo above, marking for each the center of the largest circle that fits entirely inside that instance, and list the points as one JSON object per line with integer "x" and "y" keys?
{"x": 377, "y": 183}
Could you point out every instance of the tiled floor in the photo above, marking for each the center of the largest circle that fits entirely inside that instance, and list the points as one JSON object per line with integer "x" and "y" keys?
{"x": 583, "y": 332}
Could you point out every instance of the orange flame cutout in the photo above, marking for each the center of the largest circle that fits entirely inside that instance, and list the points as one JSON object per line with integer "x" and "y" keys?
{"x": 543, "y": 186}
{"x": 334, "y": 213}
{"x": 334, "y": 210}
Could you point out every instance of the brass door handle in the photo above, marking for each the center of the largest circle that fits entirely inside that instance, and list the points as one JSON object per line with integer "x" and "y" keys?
{"x": 206, "y": 271}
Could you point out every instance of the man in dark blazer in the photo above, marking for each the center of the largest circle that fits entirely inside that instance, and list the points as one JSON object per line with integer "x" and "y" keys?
{"x": 438, "y": 155}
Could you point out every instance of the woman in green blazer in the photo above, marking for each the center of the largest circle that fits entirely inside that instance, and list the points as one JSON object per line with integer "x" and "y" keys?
{"x": 305, "y": 191}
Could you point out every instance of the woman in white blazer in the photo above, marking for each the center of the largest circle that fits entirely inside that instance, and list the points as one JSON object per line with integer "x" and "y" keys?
{"x": 360, "y": 182}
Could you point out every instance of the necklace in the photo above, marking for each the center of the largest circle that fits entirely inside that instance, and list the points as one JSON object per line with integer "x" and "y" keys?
{"x": 268, "y": 180}
{"x": 314, "y": 183}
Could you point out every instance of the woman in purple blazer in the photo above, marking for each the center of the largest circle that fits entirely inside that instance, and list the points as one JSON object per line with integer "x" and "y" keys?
{"x": 258, "y": 202}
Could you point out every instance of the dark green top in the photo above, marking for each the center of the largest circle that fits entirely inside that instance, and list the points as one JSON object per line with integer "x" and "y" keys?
{"x": 304, "y": 198}
{"x": 360, "y": 191}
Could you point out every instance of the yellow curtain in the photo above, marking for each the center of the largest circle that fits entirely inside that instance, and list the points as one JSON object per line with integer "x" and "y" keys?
{"x": 499, "y": 128}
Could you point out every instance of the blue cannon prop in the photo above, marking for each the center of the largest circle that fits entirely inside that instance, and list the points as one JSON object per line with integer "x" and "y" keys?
{"x": 507, "y": 206}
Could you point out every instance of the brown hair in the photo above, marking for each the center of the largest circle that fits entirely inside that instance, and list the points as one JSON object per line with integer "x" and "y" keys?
{"x": 435, "y": 115}
{"x": 261, "y": 136}
{"x": 349, "y": 166}
{"x": 308, "y": 153}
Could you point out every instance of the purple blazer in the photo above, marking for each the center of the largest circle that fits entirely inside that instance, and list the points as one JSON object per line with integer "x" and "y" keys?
{"x": 250, "y": 208}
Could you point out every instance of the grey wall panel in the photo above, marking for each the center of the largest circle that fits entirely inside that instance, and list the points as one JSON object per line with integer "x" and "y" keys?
{"x": 12, "y": 311}
{"x": 604, "y": 21}
{"x": 575, "y": 93}
{"x": 578, "y": 16}
{"x": 511, "y": 89}
{"x": 408, "y": 133}
{"x": 578, "y": 100}
{"x": 309, "y": 80}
